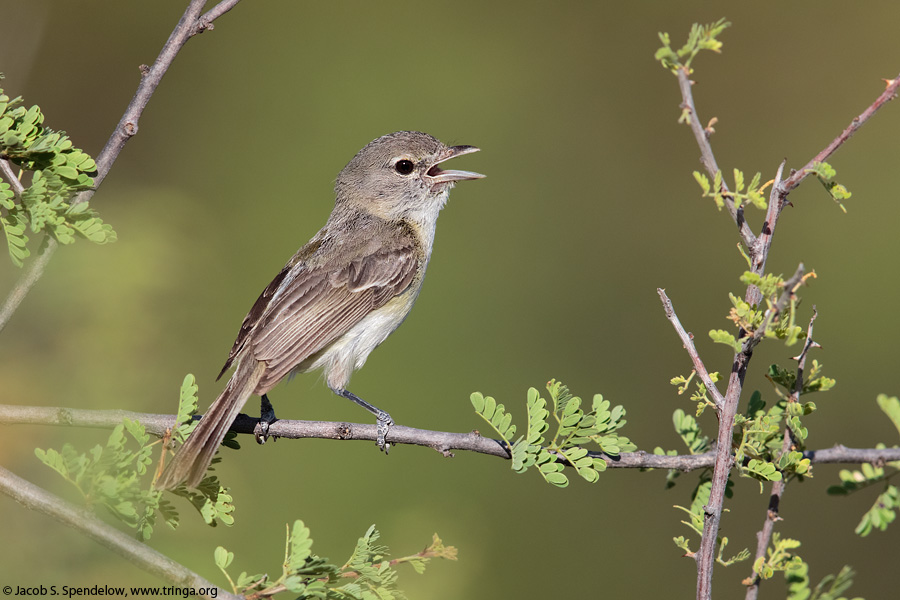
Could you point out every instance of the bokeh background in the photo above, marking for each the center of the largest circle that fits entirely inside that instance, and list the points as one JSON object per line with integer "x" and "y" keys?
{"x": 546, "y": 269}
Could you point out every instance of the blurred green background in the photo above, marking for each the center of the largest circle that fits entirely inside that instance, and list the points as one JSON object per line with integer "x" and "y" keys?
{"x": 546, "y": 269}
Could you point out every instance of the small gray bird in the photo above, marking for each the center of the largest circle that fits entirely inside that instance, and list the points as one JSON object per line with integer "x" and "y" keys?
{"x": 341, "y": 294}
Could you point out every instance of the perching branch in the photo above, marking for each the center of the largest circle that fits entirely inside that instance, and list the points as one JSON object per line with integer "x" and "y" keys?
{"x": 191, "y": 23}
{"x": 26, "y": 493}
{"x": 442, "y": 441}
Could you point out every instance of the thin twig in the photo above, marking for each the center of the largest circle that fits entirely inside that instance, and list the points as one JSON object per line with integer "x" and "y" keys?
{"x": 688, "y": 341}
{"x": 760, "y": 251}
{"x": 889, "y": 93}
{"x": 36, "y": 498}
{"x": 801, "y": 358}
{"x": 707, "y": 157}
{"x": 205, "y": 22}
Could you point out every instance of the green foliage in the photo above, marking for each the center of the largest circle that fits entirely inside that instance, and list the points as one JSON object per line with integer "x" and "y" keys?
{"x": 209, "y": 498}
{"x": 785, "y": 380}
{"x": 700, "y": 395}
{"x": 188, "y": 402}
{"x": 760, "y": 439}
{"x": 727, "y": 562}
{"x": 751, "y": 318}
{"x": 882, "y": 513}
{"x": 720, "y": 336}
{"x": 574, "y": 429}
{"x": 781, "y": 326}
{"x": 825, "y": 173}
{"x": 701, "y": 37}
{"x": 762, "y": 429}
{"x": 884, "y": 509}
{"x": 796, "y": 575}
{"x": 687, "y": 427}
{"x": 495, "y": 414}
{"x": 762, "y": 470}
{"x": 830, "y": 588}
{"x": 366, "y": 575}
{"x": 689, "y": 430}
{"x": 57, "y": 171}
{"x": 696, "y": 514}
{"x": 779, "y": 557}
{"x": 110, "y": 475}
{"x": 117, "y": 476}
{"x": 752, "y": 194}
{"x": 699, "y": 499}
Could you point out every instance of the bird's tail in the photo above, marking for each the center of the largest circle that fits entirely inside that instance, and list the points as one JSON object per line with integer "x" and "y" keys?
{"x": 191, "y": 460}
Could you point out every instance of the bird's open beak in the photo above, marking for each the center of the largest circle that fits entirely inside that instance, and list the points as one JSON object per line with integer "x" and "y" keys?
{"x": 437, "y": 175}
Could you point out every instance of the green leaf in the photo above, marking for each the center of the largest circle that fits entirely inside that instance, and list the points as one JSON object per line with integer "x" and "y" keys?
{"x": 763, "y": 470}
{"x": 891, "y": 407}
{"x": 13, "y": 224}
{"x": 823, "y": 170}
{"x": 575, "y": 429}
{"x": 720, "y": 336}
{"x": 825, "y": 173}
{"x": 223, "y": 557}
{"x": 882, "y": 513}
{"x": 557, "y": 479}
{"x": 703, "y": 181}
{"x": 496, "y": 416}
{"x": 701, "y": 37}
{"x": 688, "y": 429}
{"x": 300, "y": 544}
{"x": 490, "y": 406}
{"x": 738, "y": 181}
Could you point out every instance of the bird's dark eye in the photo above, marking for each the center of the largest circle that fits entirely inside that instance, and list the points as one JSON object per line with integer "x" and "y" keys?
{"x": 404, "y": 167}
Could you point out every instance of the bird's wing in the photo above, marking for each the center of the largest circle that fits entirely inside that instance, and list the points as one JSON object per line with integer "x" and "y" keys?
{"x": 306, "y": 308}
{"x": 321, "y": 307}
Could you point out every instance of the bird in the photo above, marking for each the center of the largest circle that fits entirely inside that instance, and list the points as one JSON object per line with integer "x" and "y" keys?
{"x": 342, "y": 294}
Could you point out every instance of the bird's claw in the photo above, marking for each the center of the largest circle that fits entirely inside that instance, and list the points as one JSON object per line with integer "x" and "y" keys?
{"x": 261, "y": 432}
{"x": 266, "y": 418}
{"x": 382, "y": 427}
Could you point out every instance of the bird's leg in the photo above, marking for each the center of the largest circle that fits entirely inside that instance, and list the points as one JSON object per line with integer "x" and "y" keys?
{"x": 266, "y": 418}
{"x": 383, "y": 419}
